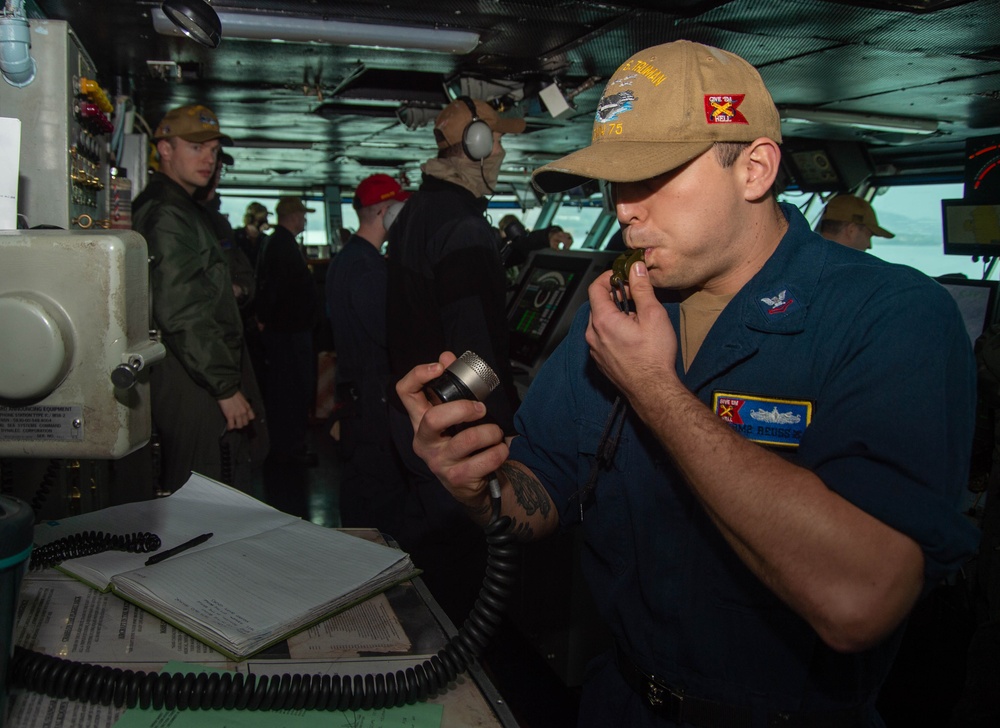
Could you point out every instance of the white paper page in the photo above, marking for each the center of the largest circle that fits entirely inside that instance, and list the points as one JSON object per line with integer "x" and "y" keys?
{"x": 10, "y": 163}
{"x": 58, "y": 615}
{"x": 258, "y": 585}
{"x": 371, "y": 626}
{"x": 32, "y": 710}
{"x": 199, "y": 506}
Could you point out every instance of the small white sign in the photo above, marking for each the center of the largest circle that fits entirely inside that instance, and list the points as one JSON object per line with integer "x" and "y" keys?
{"x": 10, "y": 161}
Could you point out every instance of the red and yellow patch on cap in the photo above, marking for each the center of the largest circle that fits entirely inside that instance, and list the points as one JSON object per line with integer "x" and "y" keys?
{"x": 724, "y": 109}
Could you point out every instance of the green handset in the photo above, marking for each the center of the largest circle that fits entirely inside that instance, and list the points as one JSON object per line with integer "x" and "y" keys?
{"x": 619, "y": 276}
{"x": 623, "y": 264}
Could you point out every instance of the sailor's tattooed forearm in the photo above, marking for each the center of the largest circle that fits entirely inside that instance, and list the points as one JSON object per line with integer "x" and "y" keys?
{"x": 530, "y": 494}
{"x": 481, "y": 514}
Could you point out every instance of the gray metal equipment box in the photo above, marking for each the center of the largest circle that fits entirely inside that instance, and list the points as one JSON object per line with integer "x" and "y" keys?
{"x": 63, "y": 173}
{"x": 74, "y": 343}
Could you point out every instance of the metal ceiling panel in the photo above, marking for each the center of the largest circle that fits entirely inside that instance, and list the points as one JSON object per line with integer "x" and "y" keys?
{"x": 310, "y": 114}
{"x": 808, "y": 80}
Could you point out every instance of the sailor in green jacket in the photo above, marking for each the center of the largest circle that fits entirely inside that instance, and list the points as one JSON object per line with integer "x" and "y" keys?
{"x": 199, "y": 409}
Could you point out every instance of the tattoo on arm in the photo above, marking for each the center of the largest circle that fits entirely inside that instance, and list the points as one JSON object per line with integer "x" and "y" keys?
{"x": 521, "y": 531}
{"x": 530, "y": 494}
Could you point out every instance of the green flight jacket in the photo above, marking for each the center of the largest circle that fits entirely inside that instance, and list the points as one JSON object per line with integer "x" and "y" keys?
{"x": 190, "y": 286}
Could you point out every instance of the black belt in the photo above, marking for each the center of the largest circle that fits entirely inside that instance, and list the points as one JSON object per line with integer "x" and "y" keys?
{"x": 677, "y": 706}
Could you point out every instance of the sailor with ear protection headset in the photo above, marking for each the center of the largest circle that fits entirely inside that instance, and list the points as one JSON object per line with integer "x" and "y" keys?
{"x": 447, "y": 290}
{"x": 473, "y": 128}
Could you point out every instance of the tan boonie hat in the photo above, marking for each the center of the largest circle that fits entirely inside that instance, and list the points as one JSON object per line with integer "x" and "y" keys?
{"x": 848, "y": 208}
{"x": 451, "y": 122}
{"x": 191, "y": 123}
{"x": 289, "y": 205}
{"x": 663, "y": 107}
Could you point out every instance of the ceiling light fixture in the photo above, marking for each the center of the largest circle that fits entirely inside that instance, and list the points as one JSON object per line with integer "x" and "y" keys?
{"x": 193, "y": 18}
{"x": 253, "y": 26}
{"x": 873, "y": 122}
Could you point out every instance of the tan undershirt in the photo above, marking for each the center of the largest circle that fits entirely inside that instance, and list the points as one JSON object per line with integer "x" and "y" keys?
{"x": 698, "y": 313}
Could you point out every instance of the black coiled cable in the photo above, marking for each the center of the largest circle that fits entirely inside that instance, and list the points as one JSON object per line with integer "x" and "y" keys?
{"x": 59, "y": 678}
{"x": 87, "y": 543}
{"x": 226, "y": 459}
{"x": 45, "y": 486}
{"x": 6, "y": 476}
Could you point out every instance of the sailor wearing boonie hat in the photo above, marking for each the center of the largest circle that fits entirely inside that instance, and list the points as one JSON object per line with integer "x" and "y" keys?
{"x": 760, "y": 526}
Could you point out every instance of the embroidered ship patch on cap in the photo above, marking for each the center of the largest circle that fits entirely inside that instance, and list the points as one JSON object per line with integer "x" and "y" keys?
{"x": 610, "y": 107}
{"x": 767, "y": 420}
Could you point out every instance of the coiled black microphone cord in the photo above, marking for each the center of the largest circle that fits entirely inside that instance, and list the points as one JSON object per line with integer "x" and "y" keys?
{"x": 87, "y": 543}
{"x": 468, "y": 377}
{"x": 96, "y": 684}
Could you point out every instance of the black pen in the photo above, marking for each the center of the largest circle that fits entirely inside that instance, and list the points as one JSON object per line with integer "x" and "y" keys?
{"x": 157, "y": 558}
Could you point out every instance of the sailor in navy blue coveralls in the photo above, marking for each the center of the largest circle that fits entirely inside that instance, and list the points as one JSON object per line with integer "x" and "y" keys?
{"x": 788, "y": 364}
{"x": 781, "y": 493}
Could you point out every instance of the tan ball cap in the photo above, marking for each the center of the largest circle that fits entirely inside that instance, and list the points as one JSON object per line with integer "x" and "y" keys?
{"x": 195, "y": 123}
{"x": 663, "y": 107}
{"x": 291, "y": 205}
{"x": 848, "y": 208}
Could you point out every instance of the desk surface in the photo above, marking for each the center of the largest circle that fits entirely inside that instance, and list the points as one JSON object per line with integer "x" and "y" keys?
{"x": 58, "y": 615}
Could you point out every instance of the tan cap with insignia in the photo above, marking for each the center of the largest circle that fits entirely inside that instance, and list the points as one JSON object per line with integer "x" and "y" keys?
{"x": 194, "y": 123}
{"x": 848, "y": 208}
{"x": 663, "y": 107}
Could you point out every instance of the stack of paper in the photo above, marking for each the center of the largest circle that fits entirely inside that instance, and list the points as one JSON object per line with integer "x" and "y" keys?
{"x": 262, "y": 576}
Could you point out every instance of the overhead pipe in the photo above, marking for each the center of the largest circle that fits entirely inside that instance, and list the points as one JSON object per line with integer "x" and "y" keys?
{"x": 16, "y": 64}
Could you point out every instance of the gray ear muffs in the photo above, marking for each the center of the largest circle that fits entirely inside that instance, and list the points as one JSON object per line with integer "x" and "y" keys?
{"x": 477, "y": 139}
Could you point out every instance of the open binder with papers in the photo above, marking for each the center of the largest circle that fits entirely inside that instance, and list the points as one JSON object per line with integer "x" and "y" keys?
{"x": 262, "y": 576}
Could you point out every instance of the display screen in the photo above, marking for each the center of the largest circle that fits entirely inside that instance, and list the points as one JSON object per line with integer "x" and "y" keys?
{"x": 976, "y": 301}
{"x": 546, "y": 287}
{"x": 970, "y": 228}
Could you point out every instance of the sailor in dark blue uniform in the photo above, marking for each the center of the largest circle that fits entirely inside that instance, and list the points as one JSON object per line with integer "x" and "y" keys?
{"x": 782, "y": 485}
{"x": 814, "y": 359}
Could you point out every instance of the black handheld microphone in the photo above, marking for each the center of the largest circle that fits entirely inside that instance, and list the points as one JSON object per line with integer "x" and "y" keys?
{"x": 468, "y": 377}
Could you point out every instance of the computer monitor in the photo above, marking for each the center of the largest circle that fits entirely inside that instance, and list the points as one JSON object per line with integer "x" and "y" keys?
{"x": 551, "y": 288}
{"x": 976, "y": 301}
{"x": 971, "y": 228}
